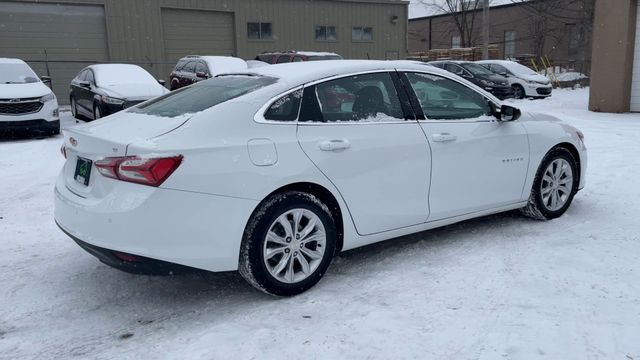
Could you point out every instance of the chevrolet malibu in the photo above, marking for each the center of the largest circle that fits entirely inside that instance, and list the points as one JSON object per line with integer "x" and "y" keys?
{"x": 272, "y": 172}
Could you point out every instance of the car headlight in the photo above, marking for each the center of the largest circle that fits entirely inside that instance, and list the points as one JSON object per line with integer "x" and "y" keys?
{"x": 112, "y": 101}
{"x": 48, "y": 97}
{"x": 487, "y": 83}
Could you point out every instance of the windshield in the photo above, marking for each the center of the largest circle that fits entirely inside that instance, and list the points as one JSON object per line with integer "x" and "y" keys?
{"x": 203, "y": 95}
{"x": 476, "y": 69}
{"x": 324, "y": 57}
{"x": 117, "y": 74}
{"x": 17, "y": 74}
{"x": 520, "y": 69}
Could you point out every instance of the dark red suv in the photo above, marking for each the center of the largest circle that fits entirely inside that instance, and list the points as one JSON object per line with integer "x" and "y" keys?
{"x": 194, "y": 68}
{"x": 295, "y": 56}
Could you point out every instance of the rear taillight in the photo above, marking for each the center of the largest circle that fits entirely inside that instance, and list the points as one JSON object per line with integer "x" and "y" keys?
{"x": 145, "y": 171}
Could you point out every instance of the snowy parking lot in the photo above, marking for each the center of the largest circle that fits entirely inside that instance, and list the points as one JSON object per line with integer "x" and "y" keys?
{"x": 498, "y": 287}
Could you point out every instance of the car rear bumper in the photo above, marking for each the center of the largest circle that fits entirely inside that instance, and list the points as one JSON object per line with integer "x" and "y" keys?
{"x": 179, "y": 227}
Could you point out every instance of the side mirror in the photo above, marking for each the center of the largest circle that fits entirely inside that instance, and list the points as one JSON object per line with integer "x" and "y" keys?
{"x": 201, "y": 75}
{"x": 161, "y": 82}
{"x": 509, "y": 113}
{"x": 84, "y": 84}
{"x": 504, "y": 73}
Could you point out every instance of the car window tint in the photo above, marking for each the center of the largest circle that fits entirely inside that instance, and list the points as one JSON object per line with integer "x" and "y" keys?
{"x": 285, "y": 108}
{"x": 499, "y": 69}
{"x": 445, "y": 99}
{"x": 202, "y": 95}
{"x": 298, "y": 59}
{"x": 283, "y": 59}
{"x": 367, "y": 97}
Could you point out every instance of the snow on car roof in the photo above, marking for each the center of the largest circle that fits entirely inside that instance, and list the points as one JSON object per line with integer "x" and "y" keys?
{"x": 121, "y": 74}
{"x": 221, "y": 64}
{"x": 316, "y": 53}
{"x": 299, "y": 73}
{"x": 11, "y": 61}
{"x": 511, "y": 65}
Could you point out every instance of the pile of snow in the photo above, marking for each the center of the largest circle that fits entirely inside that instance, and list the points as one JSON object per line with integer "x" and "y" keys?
{"x": 499, "y": 287}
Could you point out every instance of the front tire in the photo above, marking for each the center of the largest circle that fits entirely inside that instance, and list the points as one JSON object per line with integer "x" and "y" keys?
{"x": 288, "y": 244}
{"x": 518, "y": 91}
{"x": 554, "y": 186}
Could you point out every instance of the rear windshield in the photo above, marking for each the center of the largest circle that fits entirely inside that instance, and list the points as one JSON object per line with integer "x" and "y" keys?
{"x": 16, "y": 73}
{"x": 203, "y": 95}
{"x": 324, "y": 57}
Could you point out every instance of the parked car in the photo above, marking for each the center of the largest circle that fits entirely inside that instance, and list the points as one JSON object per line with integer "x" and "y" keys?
{"x": 496, "y": 84}
{"x": 26, "y": 103}
{"x": 104, "y": 89}
{"x": 254, "y": 173}
{"x": 524, "y": 81}
{"x": 255, "y": 63}
{"x": 194, "y": 68}
{"x": 296, "y": 56}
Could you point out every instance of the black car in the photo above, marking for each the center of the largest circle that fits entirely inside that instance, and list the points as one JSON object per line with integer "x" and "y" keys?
{"x": 497, "y": 85}
{"x": 104, "y": 89}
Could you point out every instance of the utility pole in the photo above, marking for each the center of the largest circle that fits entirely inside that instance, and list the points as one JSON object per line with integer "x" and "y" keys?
{"x": 485, "y": 29}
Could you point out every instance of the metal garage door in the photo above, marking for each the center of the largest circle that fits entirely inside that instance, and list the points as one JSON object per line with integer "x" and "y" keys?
{"x": 197, "y": 32}
{"x": 635, "y": 83}
{"x": 68, "y": 36}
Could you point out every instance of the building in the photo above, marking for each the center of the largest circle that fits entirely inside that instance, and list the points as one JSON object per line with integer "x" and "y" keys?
{"x": 557, "y": 29}
{"x": 615, "y": 72}
{"x": 61, "y": 37}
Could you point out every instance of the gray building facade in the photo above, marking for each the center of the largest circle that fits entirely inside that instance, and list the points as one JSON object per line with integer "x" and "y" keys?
{"x": 61, "y": 37}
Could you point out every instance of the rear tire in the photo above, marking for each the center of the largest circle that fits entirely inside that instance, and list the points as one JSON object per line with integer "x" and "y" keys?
{"x": 554, "y": 186}
{"x": 288, "y": 244}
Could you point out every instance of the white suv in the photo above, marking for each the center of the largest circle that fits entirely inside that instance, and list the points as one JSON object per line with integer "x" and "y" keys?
{"x": 524, "y": 81}
{"x": 26, "y": 103}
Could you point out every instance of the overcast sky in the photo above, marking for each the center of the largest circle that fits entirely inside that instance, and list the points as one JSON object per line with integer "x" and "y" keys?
{"x": 418, "y": 10}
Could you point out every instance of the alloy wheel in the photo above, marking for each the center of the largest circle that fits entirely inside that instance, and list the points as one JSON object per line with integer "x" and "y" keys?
{"x": 557, "y": 184}
{"x": 294, "y": 246}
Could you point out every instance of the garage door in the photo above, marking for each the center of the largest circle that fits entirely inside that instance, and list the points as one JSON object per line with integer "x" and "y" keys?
{"x": 69, "y": 36}
{"x": 197, "y": 32}
{"x": 635, "y": 84}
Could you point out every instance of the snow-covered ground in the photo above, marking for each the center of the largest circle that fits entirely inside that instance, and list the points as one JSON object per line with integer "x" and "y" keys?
{"x": 497, "y": 287}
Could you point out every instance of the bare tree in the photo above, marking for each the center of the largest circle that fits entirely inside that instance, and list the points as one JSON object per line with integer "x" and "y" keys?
{"x": 464, "y": 16}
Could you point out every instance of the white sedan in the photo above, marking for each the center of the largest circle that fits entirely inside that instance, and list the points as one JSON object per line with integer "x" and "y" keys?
{"x": 524, "y": 81}
{"x": 274, "y": 171}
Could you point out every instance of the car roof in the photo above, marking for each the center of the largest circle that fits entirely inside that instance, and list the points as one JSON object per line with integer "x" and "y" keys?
{"x": 11, "y": 61}
{"x": 451, "y": 61}
{"x": 499, "y": 62}
{"x": 300, "y": 73}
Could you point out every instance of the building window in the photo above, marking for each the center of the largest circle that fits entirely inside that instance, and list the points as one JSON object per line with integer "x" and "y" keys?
{"x": 455, "y": 42}
{"x": 259, "y": 31}
{"x": 326, "y": 33}
{"x": 509, "y": 44}
{"x": 362, "y": 33}
{"x": 575, "y": 36}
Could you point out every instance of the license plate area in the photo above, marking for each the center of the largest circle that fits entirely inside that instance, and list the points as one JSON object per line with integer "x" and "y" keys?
{"x": 83, "y": 171}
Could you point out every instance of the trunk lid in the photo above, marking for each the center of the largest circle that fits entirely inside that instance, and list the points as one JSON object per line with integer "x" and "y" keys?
{"x": 108, "y": 137}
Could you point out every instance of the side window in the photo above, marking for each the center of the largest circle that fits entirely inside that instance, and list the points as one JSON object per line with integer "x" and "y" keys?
{"x": 90, "y": 77}
{"x": 444, "y": 99}
{"x": 286, "y": 108}
{"x": 201, "y": 68}
{"x": 298, "y": 58}
{"x": 367, "y": 97}
{"x": 454, "y": 69}
{"x": 499, "y": 69}
{"x": 283, "y": 59}
{"x": 82, "y": 75}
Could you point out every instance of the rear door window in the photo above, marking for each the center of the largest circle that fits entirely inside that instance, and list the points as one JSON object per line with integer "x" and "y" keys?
{"x": 283, "y": 59}
{"x": 202, "y": 95}
{"x": 367, "y": 98}
{"x": 285, "y": 108}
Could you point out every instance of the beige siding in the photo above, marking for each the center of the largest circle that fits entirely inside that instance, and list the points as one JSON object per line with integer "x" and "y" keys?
{"x": 135, "y": 30}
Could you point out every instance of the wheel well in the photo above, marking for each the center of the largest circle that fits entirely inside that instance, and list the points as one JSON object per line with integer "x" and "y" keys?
{"x": 576, "y": 155}
{"x": 326, "y": 197}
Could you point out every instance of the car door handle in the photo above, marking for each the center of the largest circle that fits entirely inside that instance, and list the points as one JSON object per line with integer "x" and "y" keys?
{"x": 444, "y": 137}
{"x": 333, "y": 145}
